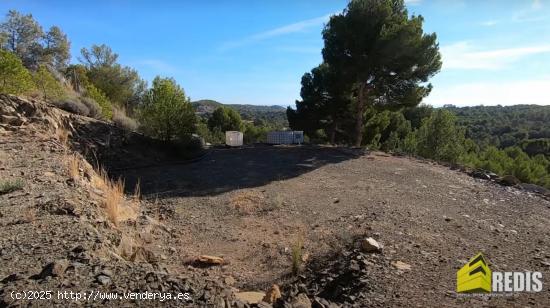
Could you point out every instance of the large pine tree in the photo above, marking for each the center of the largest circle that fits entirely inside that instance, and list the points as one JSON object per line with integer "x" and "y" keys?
{"x": 381, "y": 55}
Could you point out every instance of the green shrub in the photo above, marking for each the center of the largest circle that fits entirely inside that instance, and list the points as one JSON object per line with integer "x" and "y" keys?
{"x": 102, "y": 100}
{"x": 224, "y": 119}
{"x": 48, "y": 86}
{"x": 14, "y": 77}
{"x": 439, "y": 138}
{"x": 166, "y": 113}
{"x": 212, "y": 137}
{"x": 94, "y": 109}
{"x": 10, "y": 186}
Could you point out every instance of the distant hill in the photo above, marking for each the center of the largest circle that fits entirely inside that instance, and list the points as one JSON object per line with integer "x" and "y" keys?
{"x": 274, "y": 115}
{"x": 504, "y": 126}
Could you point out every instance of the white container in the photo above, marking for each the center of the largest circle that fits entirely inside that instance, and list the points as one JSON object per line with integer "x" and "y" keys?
{"x": 233, "y": 138}
{"x": 285, "y": 137}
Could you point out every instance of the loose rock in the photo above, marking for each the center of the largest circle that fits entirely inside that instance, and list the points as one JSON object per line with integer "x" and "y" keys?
{"x": 370, "y": 245}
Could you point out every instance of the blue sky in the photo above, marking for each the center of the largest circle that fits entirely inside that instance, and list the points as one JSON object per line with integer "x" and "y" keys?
{"x": 255, "y": 52}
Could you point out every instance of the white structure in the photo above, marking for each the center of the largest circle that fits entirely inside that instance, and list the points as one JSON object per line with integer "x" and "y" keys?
{"x": 285, "y": 137}
{"x": 233, "y": 138}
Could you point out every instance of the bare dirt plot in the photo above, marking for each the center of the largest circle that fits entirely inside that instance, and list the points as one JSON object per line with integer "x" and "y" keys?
{"x": 252, "y": 205}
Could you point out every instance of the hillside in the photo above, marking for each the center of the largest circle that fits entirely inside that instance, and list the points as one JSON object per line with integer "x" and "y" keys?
{"x": 504, "y": 126}
{"x": 275, "y": 115}
{"x": 225, "y": 228}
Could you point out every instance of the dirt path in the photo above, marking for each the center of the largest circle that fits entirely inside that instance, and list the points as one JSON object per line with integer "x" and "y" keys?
{"x": 252, "y": 205}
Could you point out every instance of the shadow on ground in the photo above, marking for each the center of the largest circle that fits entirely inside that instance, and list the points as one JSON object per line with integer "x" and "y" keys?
{"x": 224, "y": 170}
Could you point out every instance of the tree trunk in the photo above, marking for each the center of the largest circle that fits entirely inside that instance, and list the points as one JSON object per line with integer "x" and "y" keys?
{"x": 359, "y": 115}
{"x": 333, "y": 132}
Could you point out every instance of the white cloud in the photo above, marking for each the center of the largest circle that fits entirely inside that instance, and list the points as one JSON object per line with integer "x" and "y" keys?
{"x": 492, "y": 93}
{"x": 296, "y": 27}
{"x": 461, "y": 55}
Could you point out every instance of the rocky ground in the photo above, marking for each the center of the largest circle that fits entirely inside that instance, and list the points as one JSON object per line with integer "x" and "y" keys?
{"x": 262, "y": 213}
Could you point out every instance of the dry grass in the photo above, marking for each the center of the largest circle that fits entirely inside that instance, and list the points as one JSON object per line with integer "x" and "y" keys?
{"x": 247, "y": 201}
{"x": 275, "y": 203}
{"x": 30, "y": 215}
{"x": 73, "y": 166}
{"x": 122, "y": 120}
{"x": 116, "y": 207}
{"x": 114, "y": 199}
{"x": 136, "y": 198}
{"x": 296, "y": 255}
{"x": 62, "y": 135}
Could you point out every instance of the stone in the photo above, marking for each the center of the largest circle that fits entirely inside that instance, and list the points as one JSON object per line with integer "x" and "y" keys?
{"x": 103, "y": 279}
{"x": 301, "y": 301}
{"x": 370, "y": 245}
{"x": 11, "y": 120}
{"x": 55, "y": 269}
{"x": 401, "y": 265}
{"x": 250, "y": 297}
{"x": 212, "y": 260}
{"x": 535, "y": 189}
{"x": 229, "y": 280}
{"x": 481, "y": 174}
{"x": 509, "y": 180}
{"x": 272, "y": 294}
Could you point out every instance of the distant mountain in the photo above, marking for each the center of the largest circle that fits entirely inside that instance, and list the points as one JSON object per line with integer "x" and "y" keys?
{"x": 205, "y": 106}
{"x": 274, "y": 115}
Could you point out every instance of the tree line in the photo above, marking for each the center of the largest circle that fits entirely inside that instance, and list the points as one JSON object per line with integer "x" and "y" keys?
{"x": 377, "y": 62}
{"x": 36, "y": 63}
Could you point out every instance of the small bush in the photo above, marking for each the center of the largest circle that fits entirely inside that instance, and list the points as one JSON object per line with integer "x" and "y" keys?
{"x": 101, "y": 99}
{"x": 11, "y": 186}
{"x": 187, "y": 146}
{"x": 73, "y": 106}
{"x": 125, "y": 122}
{"x": 48, "y": 86}
{"x": 297, "y": 256}
{"x": 94, "y": 110}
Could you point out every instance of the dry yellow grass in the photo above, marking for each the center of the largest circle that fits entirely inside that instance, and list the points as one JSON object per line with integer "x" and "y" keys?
{"x": 73, "y": 165}
{"x": 62, "y": 135}
{"x": 116, "y": 206}
{"x": 114, "y": 199}
{"x": 30, "y": 215}
{"x": 246, "y": 201}
{"x": 137, "y": 194}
